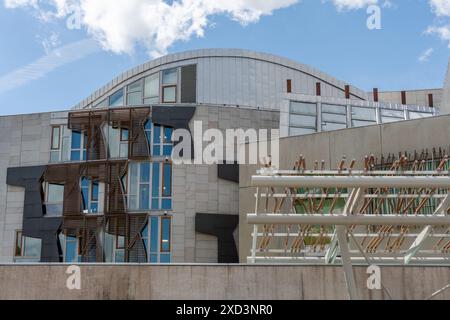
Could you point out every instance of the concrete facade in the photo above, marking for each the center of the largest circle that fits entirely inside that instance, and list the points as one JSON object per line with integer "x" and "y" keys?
{"x": 218, "y": 282}
{"x": 24, "y": 141}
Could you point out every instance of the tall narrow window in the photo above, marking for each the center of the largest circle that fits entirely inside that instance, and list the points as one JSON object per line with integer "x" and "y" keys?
{"x": 55, "y": 150}
{"x": 159, "y": 139}
{"x": 157, "y": 239}
{"x": 54, "y": 198}
{"x": 90, "y": 194}
{"x": 78, "y": 145}
{"x": 151, "y": 89}
{"x": 72, "y": 249}
{"x": 134, "y": 93}
{"x": 19, "y": 244}
{"x": 169, "y": 82}
{"x": 150, "y": 186}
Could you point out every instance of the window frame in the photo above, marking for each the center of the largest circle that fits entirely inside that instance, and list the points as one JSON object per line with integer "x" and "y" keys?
{"x": 90, "y": 192}
{"x": 52, "y": 148}
{"x": 163, "y": 93}
{"x": 47, "y": 193}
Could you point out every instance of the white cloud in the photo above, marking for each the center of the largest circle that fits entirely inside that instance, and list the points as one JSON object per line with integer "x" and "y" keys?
{"x": 441, "y": 9}
{"x": 120, "y": 25}
{"x": 353, "y": 4}
{"x": 425, "y": 56}
{"x": 49, "y": 62}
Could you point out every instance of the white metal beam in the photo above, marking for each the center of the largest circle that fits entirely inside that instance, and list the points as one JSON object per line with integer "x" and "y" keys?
{"x": 352, "y": 181}
{"x": 343, "y": 220}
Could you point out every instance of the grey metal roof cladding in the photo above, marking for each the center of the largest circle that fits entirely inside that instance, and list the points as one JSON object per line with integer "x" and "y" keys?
{"x": 140, "y": 70}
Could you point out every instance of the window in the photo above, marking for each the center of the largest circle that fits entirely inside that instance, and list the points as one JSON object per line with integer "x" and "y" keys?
{"x": 334, "y": 117}
{"x": 78, "y": 145}
{"x": 156, "y": 236}
{"x": 363, "y": 116}
{"x": 54, "y": 199}
{"x": 117, "y": 140}
{"x": 169, "y": 89}
{"x": 114, "y": 246}
{"x": 56, "y": 137}
{"x": 159, "y": 139}
{"x": 90, "y": 194}
{"x": 102, "y": 104}
{"x": 150, "y": 186}
{"x": 390, "y": 115}
{"x": 72, "y": 249}
{"x": 26, "y": 247}
{"x": 134, "y": 93}
{"x": 151, "y": 89}
{"x": 55, "y": 145}
{"x": 116, "y": 99}
{"x": 303, "y": 118}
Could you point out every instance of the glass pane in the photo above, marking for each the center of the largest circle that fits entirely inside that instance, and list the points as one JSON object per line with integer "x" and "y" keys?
{"x": 116, "y": 99}
{"x": 144, "y": 197}
{"x": 144, "y": 236}
{"x": 156, "y": 134}
{"x": 135, "y": 86}
{"x": 168, "y": 135}
{"x": 155, "y": 203}
{"x": 359, "y": 123}
{"x": 330, "y": 117}
{"x": 167, "y": 150}
{"x": 145, "y": 172}
{"x": 108, "y": 247}
{"x": 94, "y": 190}
{"x": 390, "y": 120}
{"x": 170, "y": 76}
{"x": 330, "y": 108}
{"x": 54, "y": 156}
{"x": 393, "y": 113}
{"x": 154, "y": 231}
{"x": 155, "y": 180}
{"x": 103, "y": 103}
{"x": 329, "y": 126}
{"x": 151, "y": 87}
{"x": 153, "y": 258}
{"x": 55, "y": 193}
{"x": 124, "y": 134}
{"x": 166, "y": 204}
{"x": 134, "y": 99}
{"x": 169, "y": 94}
{"x": 75, "y": 156}
{"x": 164, "y": 258}
{"x": 304, "y": 108}
{"x": 167, "y": 174}
{"x": 54, "y": 210}
{"x": 419, "y": 115}
{"x": 154, "y": 100}
{"x": 300, "y": 131}
{"x": 94, "y": 207}
{"x": 55, "y": 137}
{"x": 18, "y": 251}
{"x": 156, "y": 151}
{"x": 113, "y": 142}
{"x": 302, "y": 121}
{"x": 363, "y": 114}
{"x": 165, "y": 235}
{"x": 120, "y": 255}
{"x": 71, "y": 249}
{"x": 76, "y": 140}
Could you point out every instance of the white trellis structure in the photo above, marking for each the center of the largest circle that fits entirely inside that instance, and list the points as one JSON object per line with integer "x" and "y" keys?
{"x": 347, "y": 216}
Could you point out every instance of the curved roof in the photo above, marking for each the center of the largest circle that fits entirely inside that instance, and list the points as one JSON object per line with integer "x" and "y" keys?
{"x": 137, "y": 72}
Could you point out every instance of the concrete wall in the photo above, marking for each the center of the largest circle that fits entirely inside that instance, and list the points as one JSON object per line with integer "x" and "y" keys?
{"x": 413, "y": 97}
{"x": 445, "y": 109}
{"x": 354, "y": 144}
{"x": 197, "y": 188}
{"x": 204, "y": 282}
{"x": 24, "y": 141}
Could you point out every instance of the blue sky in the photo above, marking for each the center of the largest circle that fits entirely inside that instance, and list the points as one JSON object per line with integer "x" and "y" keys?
{"x": 38, "y": 72}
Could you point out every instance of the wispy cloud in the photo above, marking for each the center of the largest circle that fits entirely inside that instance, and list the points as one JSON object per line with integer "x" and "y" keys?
{"x": 40, "y": 68}
{"x": 425, "y": 56}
